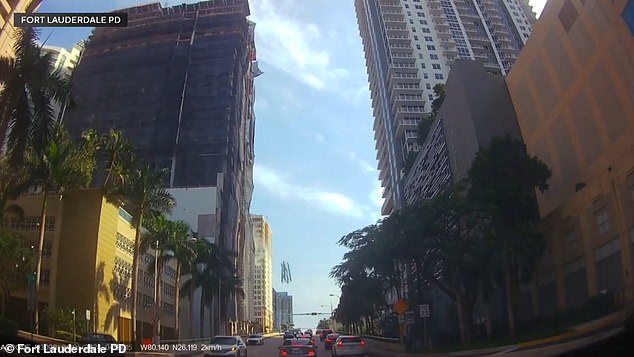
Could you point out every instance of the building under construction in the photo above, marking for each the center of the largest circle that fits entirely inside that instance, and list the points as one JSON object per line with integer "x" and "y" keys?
{"x": 178, "y": 81}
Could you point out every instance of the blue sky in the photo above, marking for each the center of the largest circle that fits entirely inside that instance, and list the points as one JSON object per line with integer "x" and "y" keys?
{"x": 315, "y": 168}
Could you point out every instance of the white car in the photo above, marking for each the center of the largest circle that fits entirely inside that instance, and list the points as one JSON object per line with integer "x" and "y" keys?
{"x": 255, "y": 340}
{"x": 229, "y": 346}
{"x": 348, "y": 346}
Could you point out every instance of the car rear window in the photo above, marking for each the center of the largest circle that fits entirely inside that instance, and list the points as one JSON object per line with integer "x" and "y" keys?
{"x": 225, "y": 340}
{"x": 351, "y": 339}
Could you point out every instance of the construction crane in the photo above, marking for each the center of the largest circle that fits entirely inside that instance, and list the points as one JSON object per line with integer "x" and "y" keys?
{"x": 286, "y": 273}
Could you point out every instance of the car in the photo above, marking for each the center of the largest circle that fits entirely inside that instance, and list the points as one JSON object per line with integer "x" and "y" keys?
{"x": 255, "y": 340}
{"x": 288, "y": 335}
{"x": 309, "y": 331}
{"x": 324, "y": 333}
{"x": 101, "y": 339}
{"x": 300, "y": 347}
{"x": 229, "y": 346}
{"x": 318, "y": 332}
{"x": 330, "y": 339}
{"x": 348, "y": 346}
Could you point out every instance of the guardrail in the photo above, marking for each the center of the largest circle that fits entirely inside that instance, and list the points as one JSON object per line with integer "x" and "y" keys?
{"x": 382, "y": 339}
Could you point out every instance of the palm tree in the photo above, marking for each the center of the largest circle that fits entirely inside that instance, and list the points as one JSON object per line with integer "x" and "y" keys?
{"x": 13, "y": 182}
{"x": 59, "y": 166}
{"x": 144, "y": 195}
{"x": 194, "y": 267}
{"x": 31, "y": 87}
{"x": 182, "y": 248}
{"x": 119, "y": 154}
{"x": 171, "y": 238}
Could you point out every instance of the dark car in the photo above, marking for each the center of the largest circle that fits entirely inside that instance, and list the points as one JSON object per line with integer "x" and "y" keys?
{"x": 324, "y": 333}
{"x": 300, "y": 347}
{"x": 288, "y": 335}
{"x": 330, "y": 339}
{"x": 101, "y": 339}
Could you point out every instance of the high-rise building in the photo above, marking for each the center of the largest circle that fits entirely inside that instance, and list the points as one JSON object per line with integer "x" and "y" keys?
{"x": 410, "y": 46}
{"x": 263, "y": 287}
{"x": 283, "y": 310}
{"x": 178, "y": 81}
{"x": 572, "y": 90}
{"x": 7, "y": 30}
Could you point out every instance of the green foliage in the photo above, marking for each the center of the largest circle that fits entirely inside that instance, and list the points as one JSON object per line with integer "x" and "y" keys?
{"x": 61, "y": 164}
{"x": 323, "y": 324}
{"x": 439, "y": 91}
{"x": 424, "y": 126}
{"x": 31, "y": 88}
{"x": 62, "y": 319}
{"x": 461, "y": 241}
{"x": 16, "y": 263}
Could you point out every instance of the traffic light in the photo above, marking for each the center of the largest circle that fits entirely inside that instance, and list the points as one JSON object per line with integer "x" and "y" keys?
{"x": 313, "y": 313}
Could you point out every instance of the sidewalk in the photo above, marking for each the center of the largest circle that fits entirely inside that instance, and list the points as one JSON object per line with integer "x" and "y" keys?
{"x": 602, "y": 325}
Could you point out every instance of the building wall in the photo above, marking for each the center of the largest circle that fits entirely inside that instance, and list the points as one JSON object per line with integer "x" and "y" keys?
{"x": 571, "y": 88}
{"x": 477, "y": 108}
{"x": 7, "y": 31}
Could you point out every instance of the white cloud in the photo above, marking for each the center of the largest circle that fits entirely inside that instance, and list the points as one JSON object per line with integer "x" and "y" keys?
{"x": 332, "y": 202}
{"x": 297, "y": 48}
{"x": 365, "y": 166}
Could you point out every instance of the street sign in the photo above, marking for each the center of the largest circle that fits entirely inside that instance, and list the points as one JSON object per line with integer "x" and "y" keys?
{"x": 400, "y": 307}
{"x": 401, "y": 318}
{"x": 88, "y": 315}
{"x": 424, "y": 310}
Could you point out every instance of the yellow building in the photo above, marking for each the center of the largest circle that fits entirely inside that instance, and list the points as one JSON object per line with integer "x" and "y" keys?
{"x": 7, "y": 9}
{"x": 263, "y": 272}
{"x": 88, "y": 264}
{"x": 572, "y": 88}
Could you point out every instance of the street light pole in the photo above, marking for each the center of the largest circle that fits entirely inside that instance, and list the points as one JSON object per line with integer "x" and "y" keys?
{"x": 332, "y": 315}
{"x": 157, "y": 282}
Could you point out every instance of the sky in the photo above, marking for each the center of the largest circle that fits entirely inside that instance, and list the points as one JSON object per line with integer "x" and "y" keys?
{"x": 315, "y": 164}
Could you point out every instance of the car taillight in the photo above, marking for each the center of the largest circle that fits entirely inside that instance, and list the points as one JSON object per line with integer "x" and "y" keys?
{"x": 362, "y": 343}
{"x": 284, "y": 352}
{"x": 312, "y": 353}
{"x": 328, "y": 340}
{"x": 340, "y": 343}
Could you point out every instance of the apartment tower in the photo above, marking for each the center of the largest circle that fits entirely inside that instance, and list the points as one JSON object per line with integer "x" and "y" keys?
{"x": 7, "y": 30}
{"x": 178, "y": 81}
{"x": 410, "y": 46}
{"x": 263, "y": 287}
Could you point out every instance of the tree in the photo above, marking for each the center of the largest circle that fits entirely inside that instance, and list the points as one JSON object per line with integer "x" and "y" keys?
{"x": 323, "y": 324}
{"x": 503, "y": 179}
{"x": 58, "y": 166}
{"x": 145, "y": 197}
{"x": 13, "y": 182}
{"x": 193, "y": 267}
{"x": 440, "y": 93}
{"x": 31, "y": 87}
{"x": 16, "y": 264}
{"x": 119, "y": 154}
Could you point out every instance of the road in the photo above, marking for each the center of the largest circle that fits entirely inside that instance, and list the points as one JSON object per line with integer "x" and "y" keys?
{"x": 270, "y": 349}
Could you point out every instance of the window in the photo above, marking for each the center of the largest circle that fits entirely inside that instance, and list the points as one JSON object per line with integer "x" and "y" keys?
{"x": 433, "y": 56}
{"x": 431, "y": 47}
{"x": 431, "y": 97}
{"x": 425, "y": 75}
{"x": 422, "y": 65}
{"x": 628, "y": 15}
{"x": 603, "y": 223}
{"x": 429, "y": 39}
{"x": 427, "y": 85}
{"x": 416, "y": 38}
{"x": 418, "y": 47}
{"x": 426, "y": 30}
{"x": 435, "y": 66}
{"x": 439, "y": 76}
